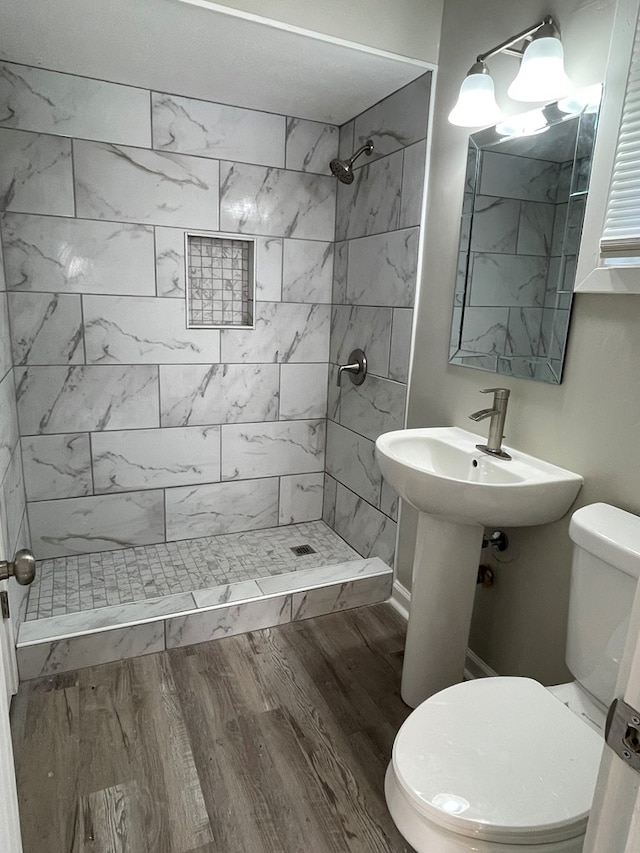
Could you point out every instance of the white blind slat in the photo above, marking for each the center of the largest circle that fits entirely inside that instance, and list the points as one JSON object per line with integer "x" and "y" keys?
{"x": 621, "y": 232}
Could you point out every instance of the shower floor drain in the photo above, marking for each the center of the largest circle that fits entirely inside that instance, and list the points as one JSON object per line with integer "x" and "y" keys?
{"x": 302, "y": 550}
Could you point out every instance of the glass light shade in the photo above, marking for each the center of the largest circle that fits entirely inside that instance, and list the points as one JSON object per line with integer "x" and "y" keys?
{"x": 476, "y": 105}
{"x": 542, "y": 76}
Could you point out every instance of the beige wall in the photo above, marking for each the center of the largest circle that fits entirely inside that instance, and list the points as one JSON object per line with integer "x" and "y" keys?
{"x": 590, "y": 423}
{"x": 408, "y": 27}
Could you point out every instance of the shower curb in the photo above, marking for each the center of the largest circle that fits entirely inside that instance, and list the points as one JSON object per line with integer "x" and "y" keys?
{"x": 64, "y": 643}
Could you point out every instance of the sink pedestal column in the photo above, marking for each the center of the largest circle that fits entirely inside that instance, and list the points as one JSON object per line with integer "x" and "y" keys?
{"x": 445, "y": 569}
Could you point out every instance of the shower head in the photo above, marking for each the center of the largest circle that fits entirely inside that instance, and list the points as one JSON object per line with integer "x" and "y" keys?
{"x": 343, "y": 169}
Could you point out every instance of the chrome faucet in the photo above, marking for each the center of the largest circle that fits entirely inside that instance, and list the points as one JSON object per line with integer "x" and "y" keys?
{"x": 497, "y": 413}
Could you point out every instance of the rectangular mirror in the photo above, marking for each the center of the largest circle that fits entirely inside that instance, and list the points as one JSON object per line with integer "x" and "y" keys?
{"x": 524, "y": 200}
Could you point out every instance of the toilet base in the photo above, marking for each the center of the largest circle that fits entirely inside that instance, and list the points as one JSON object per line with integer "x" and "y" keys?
{"x": 427, "y": 837}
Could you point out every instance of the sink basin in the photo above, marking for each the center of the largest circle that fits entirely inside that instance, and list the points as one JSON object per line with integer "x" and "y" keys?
{"x": 440, "y": 471}
{"x": 459, "y": 491}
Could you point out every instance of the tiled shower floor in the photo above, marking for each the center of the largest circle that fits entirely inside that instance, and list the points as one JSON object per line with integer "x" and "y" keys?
{"x": 88, "y": 581}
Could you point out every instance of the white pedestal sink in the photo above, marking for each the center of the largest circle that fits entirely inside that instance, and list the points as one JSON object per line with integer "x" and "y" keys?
{"x": 459, "y": 490}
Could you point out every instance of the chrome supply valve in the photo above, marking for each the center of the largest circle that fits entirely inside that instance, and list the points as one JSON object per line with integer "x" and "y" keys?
{"x": 22, "y": 567}
{"x": 498, "y": 414}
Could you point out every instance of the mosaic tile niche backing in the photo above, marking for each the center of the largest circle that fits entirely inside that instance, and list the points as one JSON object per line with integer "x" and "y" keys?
{"x": 220, "y": 277}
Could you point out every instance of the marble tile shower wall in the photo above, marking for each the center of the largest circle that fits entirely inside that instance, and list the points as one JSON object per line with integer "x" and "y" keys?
{"x": 14, "y": 529}
{"x": 374, "y": 287}
{"x": 134, "y": 429}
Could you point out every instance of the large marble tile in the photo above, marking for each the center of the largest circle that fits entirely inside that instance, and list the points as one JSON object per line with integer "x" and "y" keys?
{"x": 400, "y": 351}
{"x": 340, "y": 262}
{"x": 301, "y": 498}
{"x": 135, "y": 185}
{"x": 275, "y": 202}
{"x": 13, "y": 501}
{"x": 41, "y": 659}
{"x": 398, "y": 120}
{"x": 371, "y": 204}
{"x": 374, "y": 407}
{"x": 351, "y": 461}
{"x": 366, "y": 529}
{"x": 218, "y": 393}
{"x": 226, "y": 621}
{"x": 35, "y": 173}
{"x": 505, "y": 176}
{"x": 57, "y": 466}
{"x": 50, "y": 254}
{"x": 331, "y": 599}
{"x": 144, "y": 330}
{"x": 333, "y": 393}
{"x": 413, "y": 169}
{"x": 495, "y": 224}
{"x": 284, "y": 332}
{"x": 303, "y": 391}
{"x": 100, "y": 523}
{"x": 46, "y": 328}
{"x": 308, "y": 271}
{"x": 6, "y": 357}
{"x": 311, "y": 145}
{"x": 508, "y": 280}
{"x": 345, "y": 140}
{"x": 361, "y": 327}
{"x": 227, "y": 593}
{"x": 323, "y": 576}
{"x": 389, "y": 501}
{"x": 9, "y": 434}
{"x": 272, "y": 449}
{"x": 208, "y": 129}
{"x": 383, "y": 269}
{"x": 82, "y": 622}
{"x": 154, "y": 458}
{"x": 209, "y": 510}
{"x": 78, "y": 398}
{"x": 170, "y": 266}
{"x": 269, "y": 251}
{"x": 329, "y": 502}
{"x": 48, "y": 102}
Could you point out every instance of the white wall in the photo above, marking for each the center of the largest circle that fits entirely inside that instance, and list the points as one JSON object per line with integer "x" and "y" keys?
{"x": 590, "y": 423}
{"x": 408, "y": 27}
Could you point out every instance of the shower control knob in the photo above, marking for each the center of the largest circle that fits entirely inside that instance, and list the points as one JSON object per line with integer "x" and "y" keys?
{"x": 22, "y": 568}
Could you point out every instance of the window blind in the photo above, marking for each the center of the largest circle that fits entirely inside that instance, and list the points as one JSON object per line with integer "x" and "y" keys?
{"x": 621, "y": 232}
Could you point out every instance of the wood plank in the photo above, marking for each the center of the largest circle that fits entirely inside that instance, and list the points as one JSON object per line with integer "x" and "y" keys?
{"x": 47, "y": 762}
{"x": 269, "y": 742}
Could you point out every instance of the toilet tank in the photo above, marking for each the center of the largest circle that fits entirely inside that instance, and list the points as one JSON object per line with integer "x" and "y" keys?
{"x": 604, "y": 573}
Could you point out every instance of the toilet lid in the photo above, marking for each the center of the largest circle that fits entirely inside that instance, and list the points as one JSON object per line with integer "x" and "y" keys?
{"x": 499, "y": 759}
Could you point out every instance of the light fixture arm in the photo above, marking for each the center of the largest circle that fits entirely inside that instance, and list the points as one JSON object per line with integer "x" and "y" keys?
{"x": 508, "y": 45}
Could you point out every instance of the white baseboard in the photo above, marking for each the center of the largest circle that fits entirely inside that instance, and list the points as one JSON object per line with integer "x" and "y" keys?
{"x": 400, "y": 598}
{"x": 474, "y": 667}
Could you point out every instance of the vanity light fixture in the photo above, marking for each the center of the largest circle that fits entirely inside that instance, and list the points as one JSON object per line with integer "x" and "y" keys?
{"x": 541, "y": 76}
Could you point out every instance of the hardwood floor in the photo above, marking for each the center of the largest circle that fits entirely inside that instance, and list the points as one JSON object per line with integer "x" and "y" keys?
{"x": 271, "y": 742}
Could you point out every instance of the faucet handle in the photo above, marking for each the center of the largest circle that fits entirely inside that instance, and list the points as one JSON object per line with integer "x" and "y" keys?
{"x": 501, "y": 393}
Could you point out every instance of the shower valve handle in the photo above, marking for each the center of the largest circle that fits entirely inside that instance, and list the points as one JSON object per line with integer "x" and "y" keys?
{"x": 357, "y": 368}
{"x": 22, "y": 567}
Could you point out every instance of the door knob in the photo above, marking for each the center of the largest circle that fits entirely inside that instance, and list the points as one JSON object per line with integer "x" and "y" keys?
{"x": 22, "y": 568}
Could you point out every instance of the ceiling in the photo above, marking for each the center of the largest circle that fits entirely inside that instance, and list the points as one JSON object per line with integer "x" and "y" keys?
{"x": 183, "y": 49}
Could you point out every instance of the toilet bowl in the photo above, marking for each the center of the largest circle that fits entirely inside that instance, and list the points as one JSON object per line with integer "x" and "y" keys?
{"x": 503, "y": 764}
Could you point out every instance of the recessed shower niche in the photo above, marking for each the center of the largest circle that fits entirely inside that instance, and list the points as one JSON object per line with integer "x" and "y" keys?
{"x": 220, "y": 276}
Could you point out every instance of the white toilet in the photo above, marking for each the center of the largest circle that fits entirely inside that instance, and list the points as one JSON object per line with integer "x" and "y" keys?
{"x": 505, "y": 765}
